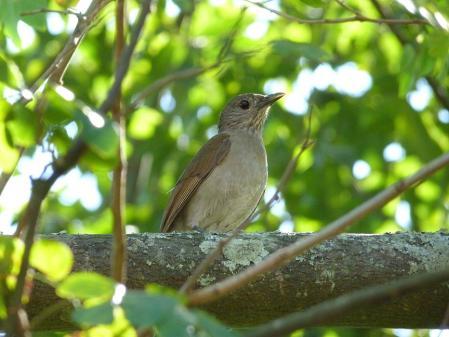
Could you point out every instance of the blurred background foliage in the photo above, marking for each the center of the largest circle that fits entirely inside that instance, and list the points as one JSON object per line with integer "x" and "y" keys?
{"x": 375, "y": 115}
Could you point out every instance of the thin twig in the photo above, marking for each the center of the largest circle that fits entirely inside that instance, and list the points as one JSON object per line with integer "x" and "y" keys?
{"x": 41, "y": 187}
{"x": 56, "y": 70}
{"x": 355, "y": 18}
{"x": 439, "y": 90}
{"x": 68, "y": 11}
{"x": 184, "y": 74}
{"x": 180, "y": 75}
{"x": 326, "y": 311}
{"x": 288, "y": 172}
{"x": 122, "y": 68}
{"x": 343, "y": 4}
{"x": 159, "y": 84}
{"x": 282, "y": 256}
{"x": 47, "y": 312}
{"x": 119, "y": 253}
{"x": 229, "y": 40}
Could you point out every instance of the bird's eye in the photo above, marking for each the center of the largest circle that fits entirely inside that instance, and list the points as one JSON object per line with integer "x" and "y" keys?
{"x": 244, "y": 104}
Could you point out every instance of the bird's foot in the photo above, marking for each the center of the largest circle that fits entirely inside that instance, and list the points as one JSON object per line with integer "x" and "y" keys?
{"x": 198, "y": 229}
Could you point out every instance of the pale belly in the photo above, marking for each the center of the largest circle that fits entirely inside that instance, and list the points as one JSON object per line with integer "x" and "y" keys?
{"x": 231, "y": 192}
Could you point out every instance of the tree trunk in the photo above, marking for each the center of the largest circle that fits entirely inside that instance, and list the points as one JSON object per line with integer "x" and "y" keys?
{"x": 338, "y": 266}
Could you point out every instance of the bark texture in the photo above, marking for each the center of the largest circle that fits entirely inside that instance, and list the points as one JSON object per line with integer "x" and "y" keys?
{"x": 338, "y": 266}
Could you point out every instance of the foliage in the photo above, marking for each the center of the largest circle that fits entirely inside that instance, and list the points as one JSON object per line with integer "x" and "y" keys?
{"x": 375, "y": 120}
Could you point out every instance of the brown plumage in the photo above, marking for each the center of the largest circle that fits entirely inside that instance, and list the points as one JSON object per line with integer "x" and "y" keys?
{"x": 224, "y": 182}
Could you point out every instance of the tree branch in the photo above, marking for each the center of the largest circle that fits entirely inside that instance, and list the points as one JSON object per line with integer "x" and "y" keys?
{"x": 438, "y": 90}
{"x": 285, "y": 255}
{"x": 68, "y": 11}
{"x": 41, "y": 187}
{"x": 356, "y": 18}
{"x": 159, "y": 84}
{"x": 336, "y": 267}
{"x": 184, "y": 74}
{"x": 337, "y": 307}
{"x": 55, "y": 72}
{"x": 119, "y": 174}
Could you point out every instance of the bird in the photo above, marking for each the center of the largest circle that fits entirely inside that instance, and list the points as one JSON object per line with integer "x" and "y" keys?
{"x": 223, "y": 184}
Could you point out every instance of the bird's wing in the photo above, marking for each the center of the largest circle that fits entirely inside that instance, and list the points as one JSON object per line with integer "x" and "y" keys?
{"x": 208, "y": 158}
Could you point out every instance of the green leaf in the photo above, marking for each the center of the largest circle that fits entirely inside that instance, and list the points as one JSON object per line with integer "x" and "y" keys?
{"x": 54, "y": 259}
{"x": 59, "y": 111}
{"x": 22, "y": 126}
{"x": 407, "y": 77}
{"x": 296, "y": 49}
{"x": 184, "y": 5}
{"x": 100, "y": 133}
{"x": 10, "y": 73}
{"x": 11, "y": 14}
{"x": 143, "y": 123}
{"x": 212, "y": 326}
{"x": 168, "y": 315}
{"x": 423, "y": 64}
{"x": 11, "y": 251}
{"x": 8, "y": 154}
{"x": 99, "y": 314}
{"x": 86, "y": 285}
{"x": 437, "y": 43}
{"x": 37, "y": 21}
{"x": 314, "y": 3}
{"x": 2, "y": 308}
{"x": 179, "y": 324}
{"x": 157, "y": 289}
{"x": 144, "y": 310}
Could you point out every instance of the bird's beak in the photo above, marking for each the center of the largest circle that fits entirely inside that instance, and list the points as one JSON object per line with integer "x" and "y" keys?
{"x": 270, "y": 99}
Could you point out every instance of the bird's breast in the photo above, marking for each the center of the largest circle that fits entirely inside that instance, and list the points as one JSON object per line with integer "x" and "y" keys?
{"x": 241, "y": 178}
{"x": 233, "y": 189}
{"x": 246, "y": 163}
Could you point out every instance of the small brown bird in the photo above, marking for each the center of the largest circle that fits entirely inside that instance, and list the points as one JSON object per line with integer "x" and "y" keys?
{"x": 224, "y": 182}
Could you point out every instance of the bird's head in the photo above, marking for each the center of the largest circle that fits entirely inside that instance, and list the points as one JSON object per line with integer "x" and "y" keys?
{"x": 247, "y": 112}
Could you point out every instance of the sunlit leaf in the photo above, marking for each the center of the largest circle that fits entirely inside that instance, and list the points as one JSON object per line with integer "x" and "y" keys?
{"x": 2, "y": 308}
{"x": 54, "y": 259}
{"x": 86, "y": 285}
{"x": 11, "y": 250}
{"x": 144, "y": 122}
{"x": 22, "y": 126}
{"x": 158, "y": 289}
{"x": 11, "y": 14}
{"x": 59, "y": 111}
{"x": 10, "y": 73}
{"x": 100, "y": 133}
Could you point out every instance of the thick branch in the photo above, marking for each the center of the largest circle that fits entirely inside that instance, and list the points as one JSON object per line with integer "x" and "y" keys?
{"x": 335, "y": 267}
{"x": 371, "y": 295}
{"x": 283, "y": 256}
